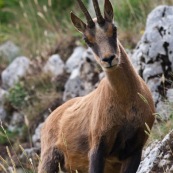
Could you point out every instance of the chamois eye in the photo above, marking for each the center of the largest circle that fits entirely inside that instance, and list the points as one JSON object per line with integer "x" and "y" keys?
{"x": 114, "y": 30}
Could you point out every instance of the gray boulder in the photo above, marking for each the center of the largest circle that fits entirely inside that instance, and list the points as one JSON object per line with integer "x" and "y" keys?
{"x": 75, "y": 59}
{"x": 83, "y": 78}
{"x": 158, "y": 157}
{"x": 153, "y": 56}
{"x": 9, "y": 51}
{"x": 54, "y": 66}
{"x": 17, "y": 69}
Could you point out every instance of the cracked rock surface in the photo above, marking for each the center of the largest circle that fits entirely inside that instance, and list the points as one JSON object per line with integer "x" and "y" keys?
{"x": 158, "y": 157}
{"x": 153, "y": 56}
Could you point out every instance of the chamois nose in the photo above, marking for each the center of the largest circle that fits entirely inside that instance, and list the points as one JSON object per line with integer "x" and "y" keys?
{"x": 109, "y": 59}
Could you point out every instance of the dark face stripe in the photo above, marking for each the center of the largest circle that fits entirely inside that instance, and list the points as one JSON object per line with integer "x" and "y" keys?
{"x": 102, "y": 40}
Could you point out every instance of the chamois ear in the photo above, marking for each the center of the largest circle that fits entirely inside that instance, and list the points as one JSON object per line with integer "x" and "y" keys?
{"x": 78, "y": 23}
{"x": 108, "y": 11}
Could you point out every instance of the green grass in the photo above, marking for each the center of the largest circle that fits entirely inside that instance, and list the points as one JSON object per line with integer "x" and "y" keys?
{"x": 38, "y": 25}
{"x": 17, "y": 96}
{"x": 35, "y": 25}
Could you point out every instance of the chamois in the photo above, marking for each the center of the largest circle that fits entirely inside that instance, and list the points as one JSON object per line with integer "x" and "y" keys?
{"x": 104, "y": 131}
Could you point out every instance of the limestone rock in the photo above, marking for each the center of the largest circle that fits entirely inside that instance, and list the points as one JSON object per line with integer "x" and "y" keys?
{"x": 17, "y": 69}
{"x": 54, "y": 66}
{"x": 158, "y": 158}
{"x": 75, "y": 59}
{"x": 153, "y": 55}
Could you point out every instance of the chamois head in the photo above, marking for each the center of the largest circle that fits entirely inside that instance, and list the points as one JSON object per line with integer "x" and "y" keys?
{"x": 100, "y": 34}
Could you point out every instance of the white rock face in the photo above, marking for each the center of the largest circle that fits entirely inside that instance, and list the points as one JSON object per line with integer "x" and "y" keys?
{"x": 9, "y": 51}
{"x": 149, "y": 157}
{"x": 54, "y": 66}
{"x": 75, "y": 59}
{"x": 153, "y": 55}
{"x": 83, "y": 78}
{"x": 17, "y": 69}
{"x": 158, "y": 156}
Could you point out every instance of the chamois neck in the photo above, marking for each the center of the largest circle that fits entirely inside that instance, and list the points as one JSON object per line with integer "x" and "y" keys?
{"x": 124, "y": 80}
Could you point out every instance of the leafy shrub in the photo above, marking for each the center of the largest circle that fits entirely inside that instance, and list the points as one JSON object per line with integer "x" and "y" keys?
{"x": 17, "y": 96}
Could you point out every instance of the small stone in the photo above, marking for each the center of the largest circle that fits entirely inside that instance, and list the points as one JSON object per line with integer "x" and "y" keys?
{"x": 17, "y": 69}
{"x": 54, "y": 66}
{"x": 75, "y": 59}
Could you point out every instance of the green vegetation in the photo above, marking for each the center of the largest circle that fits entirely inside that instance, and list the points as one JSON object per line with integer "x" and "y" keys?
{"x": 17, "y": 96}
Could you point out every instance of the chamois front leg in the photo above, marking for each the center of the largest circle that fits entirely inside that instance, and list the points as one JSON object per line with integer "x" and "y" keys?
{"x": 131, "y": 164}
{"x": 97, "y": 158}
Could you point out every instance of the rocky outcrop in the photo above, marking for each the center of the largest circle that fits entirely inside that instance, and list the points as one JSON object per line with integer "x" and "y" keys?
{"x": 153, "y": 56}
{"x": 158, "y": 157}
{"x": 17, "y": 69}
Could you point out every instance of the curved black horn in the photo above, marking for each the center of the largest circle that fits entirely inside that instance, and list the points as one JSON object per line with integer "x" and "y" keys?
{"x": 100, "y": 19}
{"x": 86, "y": 13}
